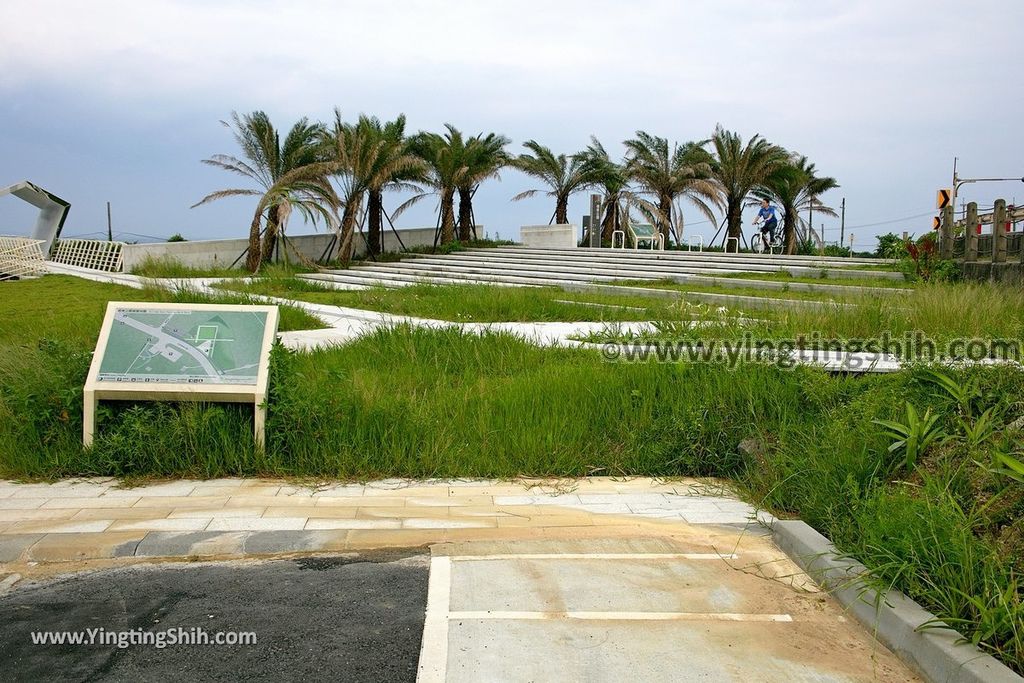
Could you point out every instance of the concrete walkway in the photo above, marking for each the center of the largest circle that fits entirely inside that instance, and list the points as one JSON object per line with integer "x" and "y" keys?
{"x": 598, "y": 579}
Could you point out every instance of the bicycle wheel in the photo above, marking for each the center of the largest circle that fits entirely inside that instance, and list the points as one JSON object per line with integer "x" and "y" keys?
{"x": 757, "y": 244}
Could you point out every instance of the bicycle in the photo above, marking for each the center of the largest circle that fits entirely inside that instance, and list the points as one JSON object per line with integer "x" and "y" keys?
{"x": 759, "y": 243}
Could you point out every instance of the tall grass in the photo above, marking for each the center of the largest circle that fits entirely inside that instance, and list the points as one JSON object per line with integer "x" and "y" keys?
{"x": 969, "y": 310}
{"x": 169, "y": 267}
{"x": 940, "y": 312}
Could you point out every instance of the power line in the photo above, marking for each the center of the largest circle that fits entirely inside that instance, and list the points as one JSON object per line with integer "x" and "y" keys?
{"x": 895, "y": 220}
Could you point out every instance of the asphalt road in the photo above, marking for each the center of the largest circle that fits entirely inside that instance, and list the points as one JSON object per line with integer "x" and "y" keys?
{"x": 345, "y": 619}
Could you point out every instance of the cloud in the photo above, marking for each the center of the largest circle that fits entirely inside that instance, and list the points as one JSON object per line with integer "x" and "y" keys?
{"x": 880, "y": 94}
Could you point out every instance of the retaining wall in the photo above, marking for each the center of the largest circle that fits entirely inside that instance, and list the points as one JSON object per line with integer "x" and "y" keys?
{"x": 222, "y": 253}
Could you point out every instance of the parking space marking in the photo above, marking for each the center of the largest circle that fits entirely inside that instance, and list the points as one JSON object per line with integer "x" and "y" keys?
{"x": 433, "y": 666}
{"x": 597, "y": 556}
{"x": 618, "y": 616}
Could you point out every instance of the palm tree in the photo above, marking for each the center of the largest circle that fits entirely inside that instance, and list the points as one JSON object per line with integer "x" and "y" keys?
{"x": 288, "y": 175}
{"x": 795, "y": 186}
{"x": 565, "y": 175}
{"x": 393, "y": 155}
{"x": 737, "y": 169}
{"x": 618, "y": 200}
{"x": 669, "y": 173}
{"x": 361, "y": 161}
{"x": 483, "y": 157}
{"x": 444, "y": 156}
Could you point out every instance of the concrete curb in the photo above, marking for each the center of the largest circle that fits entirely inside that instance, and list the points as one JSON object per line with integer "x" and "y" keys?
{"x": 934, "y": 653}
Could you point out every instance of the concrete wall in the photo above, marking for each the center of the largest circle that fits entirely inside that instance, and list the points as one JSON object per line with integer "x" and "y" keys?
{"x": 222, "y": 253}
{"x": 549, "y": 236}
{"x": 1008, "y": 273}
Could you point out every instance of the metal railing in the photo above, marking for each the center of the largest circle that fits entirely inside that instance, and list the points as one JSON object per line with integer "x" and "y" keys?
{"x": 21, "y": 257}
{"x": 92, "y": 254}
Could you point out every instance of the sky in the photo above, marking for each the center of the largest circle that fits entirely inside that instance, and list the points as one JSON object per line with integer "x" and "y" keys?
{"x": 120, "y": 100}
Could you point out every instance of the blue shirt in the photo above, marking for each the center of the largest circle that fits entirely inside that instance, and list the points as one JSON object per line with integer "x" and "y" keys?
{"x": 768, "y": 214}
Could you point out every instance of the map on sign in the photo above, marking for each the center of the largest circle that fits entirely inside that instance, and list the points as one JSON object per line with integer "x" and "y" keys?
{"x": 150, "y": 345}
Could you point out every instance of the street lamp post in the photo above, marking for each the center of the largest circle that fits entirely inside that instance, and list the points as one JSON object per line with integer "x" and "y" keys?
{"x": 958, "y": 181}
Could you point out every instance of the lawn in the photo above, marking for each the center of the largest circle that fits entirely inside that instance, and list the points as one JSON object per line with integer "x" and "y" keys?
{"x": 476, "y": 303}
{"x": 785, "y": 276}
{"x": 943, "y": 523}
{"x": 759, "y": 292}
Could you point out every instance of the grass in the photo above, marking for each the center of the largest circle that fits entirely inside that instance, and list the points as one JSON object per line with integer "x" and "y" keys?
{"x": 475, "y": 303}
{"x": 765, "y": 293}
{"x": 69, "y": 309}
{"x": 940, "y": 312}
{"x": 947, "y": 530}
{"x": 785, "y": 276}
{"x": 167, "y": 267}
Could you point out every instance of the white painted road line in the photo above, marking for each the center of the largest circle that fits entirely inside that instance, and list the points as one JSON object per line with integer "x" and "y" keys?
{"x": 617, "y": 616}
{"x": 434, "y": 648}
{"x": 596, "y": 556}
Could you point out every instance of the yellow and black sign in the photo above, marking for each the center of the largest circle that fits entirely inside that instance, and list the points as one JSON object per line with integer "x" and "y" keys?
{"x": 943, "y": 199}
{"x": 936, "y": 222}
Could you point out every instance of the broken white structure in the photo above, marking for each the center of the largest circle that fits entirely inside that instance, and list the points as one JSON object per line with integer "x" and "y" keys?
{"x": 53, "y": 211}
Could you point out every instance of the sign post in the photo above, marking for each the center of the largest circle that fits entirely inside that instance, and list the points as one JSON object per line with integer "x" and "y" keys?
{"x": 595, "y": 220}
{"x": 181, "y": 352}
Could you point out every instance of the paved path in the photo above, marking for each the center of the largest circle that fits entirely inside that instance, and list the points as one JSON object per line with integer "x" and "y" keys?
{"x": 92, "y": 519}
{"x": 592, "y": 580}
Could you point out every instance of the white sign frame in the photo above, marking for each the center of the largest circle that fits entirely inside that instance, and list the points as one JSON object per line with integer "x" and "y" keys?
{"x": 96, "y": 390}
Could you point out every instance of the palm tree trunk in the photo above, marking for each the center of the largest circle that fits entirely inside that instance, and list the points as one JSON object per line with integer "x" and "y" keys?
{"x": 664, "y": 225}
{"x": 562, "y": 211}
{"x": 447, "y": 215}
{"x": 252, "y": 259}
{"x": 735, "y": 214}
{"x": 348, "y": 224}
{"x": 270, "y": 235}
{"x": 608, "y": 224}
{"x": 789, "y": 231}
{"x": 374, "y": 207}
{"x": 465, "y": 214}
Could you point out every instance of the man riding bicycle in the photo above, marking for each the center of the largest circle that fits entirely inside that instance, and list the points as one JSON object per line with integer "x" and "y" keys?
{"x": 766, "y": 216}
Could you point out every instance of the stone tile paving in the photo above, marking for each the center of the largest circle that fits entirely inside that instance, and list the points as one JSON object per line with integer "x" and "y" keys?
{"x": 87, "y": 519}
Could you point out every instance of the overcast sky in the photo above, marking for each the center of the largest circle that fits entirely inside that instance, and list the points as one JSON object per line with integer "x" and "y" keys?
{"x": 118, "y": 101}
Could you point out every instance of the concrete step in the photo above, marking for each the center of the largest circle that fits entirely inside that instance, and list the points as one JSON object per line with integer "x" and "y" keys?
{"x": 581, "y": 264}
{"x": 743, "y": 263}
{"x": 836, "y": 262}
{"x": 503, "y": 268}
{"x": 401, "y": 277}
{"x": 503, "y": 271}
{"x": 399, "y": 280}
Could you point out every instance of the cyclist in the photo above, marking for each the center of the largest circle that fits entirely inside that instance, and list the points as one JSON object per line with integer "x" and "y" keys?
{"x": 766, "y": 217}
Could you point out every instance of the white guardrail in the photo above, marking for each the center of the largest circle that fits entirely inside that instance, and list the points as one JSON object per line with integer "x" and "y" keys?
{"x": 93, "y": 254}
{"x": 20, "y": 257}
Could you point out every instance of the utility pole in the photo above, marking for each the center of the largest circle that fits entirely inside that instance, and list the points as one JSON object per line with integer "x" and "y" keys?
{"x": 110, "y": 228}
{"x": 842, "y": 222}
